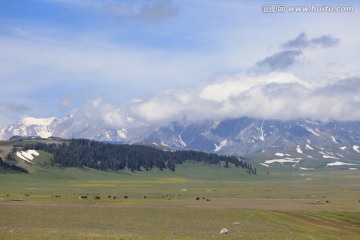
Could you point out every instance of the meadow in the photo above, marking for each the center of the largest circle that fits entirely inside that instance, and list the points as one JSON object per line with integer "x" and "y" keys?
{"x": 194, "y": 202}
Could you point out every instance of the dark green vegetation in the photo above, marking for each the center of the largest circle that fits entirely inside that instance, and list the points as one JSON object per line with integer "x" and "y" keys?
{"x": 105, "y": 156}
{"x": 194, "y": 202}
{"x": 4, "y": 166}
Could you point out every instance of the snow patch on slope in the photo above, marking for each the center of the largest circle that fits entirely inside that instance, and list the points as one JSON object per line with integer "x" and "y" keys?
{"x": 283, "y": 160}
{"x": 312, "y": 131}
{"x": 28, "y": 155}
{"x": 28, "y": 121}
{"x": 306, "y": 169}
{"x": 33, "y": 152}
{"x": 262, "y": 138}
{"x": 337, "y": 163}
{"x": 282, "y": 154}
{"x": 327, "y": 156}
{"x": 309, "y": 147}
{"x": 107, "y": 136}
{"x": 21, "y": 156}
{"x": 334, "y": 140}
{"x": 219, "y": 147}
{"x": 181, "y": 141}
{"x": 121, "y": 133}
{"x": 356, "y": 148}
{"x": 43, "y": 132}
{"x": 298, "y": 149}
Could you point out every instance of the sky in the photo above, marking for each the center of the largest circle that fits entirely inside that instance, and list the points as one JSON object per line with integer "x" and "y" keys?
{"x": 110, "y": 61}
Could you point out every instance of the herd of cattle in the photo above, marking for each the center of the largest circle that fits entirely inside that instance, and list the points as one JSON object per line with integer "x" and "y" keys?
{"x": 98, "y": 197}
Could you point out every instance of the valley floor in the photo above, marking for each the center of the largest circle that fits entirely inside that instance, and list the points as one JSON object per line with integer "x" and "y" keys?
{"x": 195, "y": 202}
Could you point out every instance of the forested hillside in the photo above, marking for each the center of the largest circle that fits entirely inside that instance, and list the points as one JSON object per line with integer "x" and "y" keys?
{"x": 105, "y": 156}
{"x": 10, "y": 167}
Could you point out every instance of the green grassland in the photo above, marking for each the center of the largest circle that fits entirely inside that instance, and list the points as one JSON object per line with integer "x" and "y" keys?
{"x": 194, "y": 202}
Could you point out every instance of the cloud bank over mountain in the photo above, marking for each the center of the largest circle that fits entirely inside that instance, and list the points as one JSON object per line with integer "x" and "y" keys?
{"x": 276, "y": 93}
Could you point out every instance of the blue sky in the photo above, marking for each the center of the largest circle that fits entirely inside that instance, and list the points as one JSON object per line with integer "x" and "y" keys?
{"x": 165, "y": 60}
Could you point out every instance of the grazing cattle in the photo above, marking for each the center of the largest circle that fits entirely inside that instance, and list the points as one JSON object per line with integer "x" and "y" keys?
{"x": 208, "y": 200}
{"x": 27, "y": 195}
{"x": 109, "y": 196}
{"x": 96, "y": 197}
{"x": 83, "y": 197}
{"x": 125, "y": 196}
{"x": 197, "y": 198}
{"x": 327, "y": 201}
{"x": 114, "y": 197}
{"x": 145, "y": 197}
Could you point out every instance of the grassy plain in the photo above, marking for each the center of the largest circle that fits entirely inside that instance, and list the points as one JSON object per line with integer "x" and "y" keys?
{"x": 45, "y": 204}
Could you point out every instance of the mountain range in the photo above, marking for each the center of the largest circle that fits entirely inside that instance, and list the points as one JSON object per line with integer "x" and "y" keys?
{"x": 300, "y": 143}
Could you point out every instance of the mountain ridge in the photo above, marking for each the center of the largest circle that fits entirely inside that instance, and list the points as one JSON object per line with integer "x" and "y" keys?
{"x": 293, "y": 142}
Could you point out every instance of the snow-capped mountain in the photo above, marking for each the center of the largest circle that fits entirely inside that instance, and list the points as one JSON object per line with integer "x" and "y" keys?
{"x": 302, "y": 143}
{"x": 28, "y": 126}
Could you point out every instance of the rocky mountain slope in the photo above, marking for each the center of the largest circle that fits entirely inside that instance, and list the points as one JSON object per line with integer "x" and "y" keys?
{"x": 302, "y": 143}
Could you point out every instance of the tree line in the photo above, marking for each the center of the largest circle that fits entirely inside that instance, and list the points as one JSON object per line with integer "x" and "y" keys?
{"x": 107, "y": 156}
{"x": 10, "y": 166}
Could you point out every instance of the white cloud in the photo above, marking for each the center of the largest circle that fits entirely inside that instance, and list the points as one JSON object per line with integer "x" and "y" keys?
{"x": 98, "y": 112}
{"x": 232, "y": 86}
{"x": 272, "y": 96}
